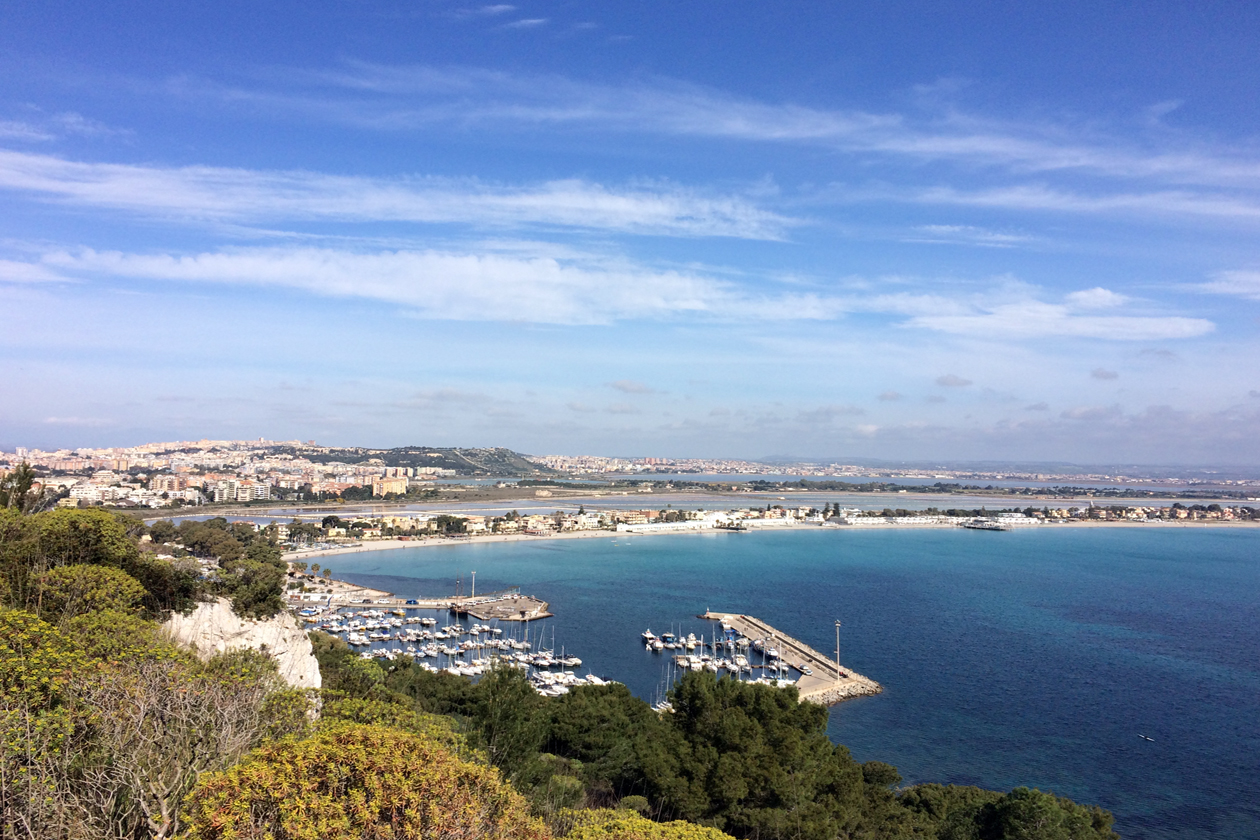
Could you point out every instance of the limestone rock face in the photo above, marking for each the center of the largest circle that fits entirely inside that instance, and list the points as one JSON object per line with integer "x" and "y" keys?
{"x": 214, "y": 628}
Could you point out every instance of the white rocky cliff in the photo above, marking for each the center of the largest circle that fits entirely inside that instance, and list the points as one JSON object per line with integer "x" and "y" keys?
{"x": 214, "y": 628}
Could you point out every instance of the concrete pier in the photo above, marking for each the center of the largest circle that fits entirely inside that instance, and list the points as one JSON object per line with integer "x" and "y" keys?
{"x": 827, "y": 685}
{"x": 503, "y": 606}
{"x": 509, "y": 608}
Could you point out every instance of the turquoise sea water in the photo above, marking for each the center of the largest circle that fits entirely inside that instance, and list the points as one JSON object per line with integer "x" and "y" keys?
{"x": 1019, "y": 658}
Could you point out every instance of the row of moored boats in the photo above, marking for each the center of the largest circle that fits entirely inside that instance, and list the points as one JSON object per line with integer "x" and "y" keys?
{"x": 459, "y": 650}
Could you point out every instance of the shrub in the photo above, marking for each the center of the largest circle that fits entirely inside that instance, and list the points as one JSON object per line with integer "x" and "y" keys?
{"x": 353, "y": 781}
{"x": 622, "y": 824}
{"x": 80, "y": 588}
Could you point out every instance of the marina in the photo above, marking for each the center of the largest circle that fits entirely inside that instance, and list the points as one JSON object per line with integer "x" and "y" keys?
{"x": 748, "y": 649}
{"x": 739, "y": 646}
{"x": 457, "y": 647}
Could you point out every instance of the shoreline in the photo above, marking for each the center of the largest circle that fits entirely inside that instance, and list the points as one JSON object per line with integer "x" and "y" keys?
{"x": 433, "y": 542}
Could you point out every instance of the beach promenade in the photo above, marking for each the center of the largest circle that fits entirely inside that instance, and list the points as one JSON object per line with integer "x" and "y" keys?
{"x": 826, "y": 685}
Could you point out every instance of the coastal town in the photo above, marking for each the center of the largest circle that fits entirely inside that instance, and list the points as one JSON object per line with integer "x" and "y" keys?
{"x": 179, "y": 474}
{"x": 337, "y": 533}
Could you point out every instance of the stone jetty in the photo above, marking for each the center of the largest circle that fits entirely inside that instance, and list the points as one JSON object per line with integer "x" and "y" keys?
{"x": 828, "y": 685}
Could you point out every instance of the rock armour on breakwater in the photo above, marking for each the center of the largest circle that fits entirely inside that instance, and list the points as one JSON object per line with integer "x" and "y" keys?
{"x": 858, "y": 686}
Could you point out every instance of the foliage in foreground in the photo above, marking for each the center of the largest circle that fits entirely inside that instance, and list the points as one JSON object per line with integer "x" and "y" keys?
{"x": 64, "y": 551}
{"x": 626, "y": 824}
{"x": 104, "y": 740}
{"x": 748, "y": 760}
{"x": 352, "y": 781}
{"x": 105, "y": 727}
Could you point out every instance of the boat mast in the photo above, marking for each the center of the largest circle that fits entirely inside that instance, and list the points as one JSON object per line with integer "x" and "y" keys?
{"x": 837, "y": 650}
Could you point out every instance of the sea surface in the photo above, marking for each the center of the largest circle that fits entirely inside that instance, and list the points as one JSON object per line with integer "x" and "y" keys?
{"x": 1035, "y": 657}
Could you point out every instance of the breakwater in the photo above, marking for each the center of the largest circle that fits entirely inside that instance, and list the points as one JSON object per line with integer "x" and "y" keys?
{"x": 828, "y": 685}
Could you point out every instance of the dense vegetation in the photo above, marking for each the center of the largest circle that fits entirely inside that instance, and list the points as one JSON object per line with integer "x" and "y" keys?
{"x": 251, "y": 568}
{"x": 748, "y": 760}
{"x": 104, "y": 724}
{"x": 109, "y": 730}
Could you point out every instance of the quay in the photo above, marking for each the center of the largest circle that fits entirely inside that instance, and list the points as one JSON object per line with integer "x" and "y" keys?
{"x": 505, "y": 605}
{"x": 828, "y": 685}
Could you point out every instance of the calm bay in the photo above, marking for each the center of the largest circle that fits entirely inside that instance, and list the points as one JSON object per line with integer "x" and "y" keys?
{"x": 1035, "y": 657}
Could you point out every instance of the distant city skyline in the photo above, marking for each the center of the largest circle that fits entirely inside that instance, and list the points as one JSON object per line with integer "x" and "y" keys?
{"x": 250, "y": 456}
{"x": 918, "y": 232}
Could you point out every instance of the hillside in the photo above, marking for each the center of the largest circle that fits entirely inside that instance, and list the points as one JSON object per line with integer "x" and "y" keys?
{"x": 495, "y": 461}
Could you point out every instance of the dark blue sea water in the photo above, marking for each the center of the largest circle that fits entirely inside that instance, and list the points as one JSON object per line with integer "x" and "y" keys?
{"x": 1008, "y": 658}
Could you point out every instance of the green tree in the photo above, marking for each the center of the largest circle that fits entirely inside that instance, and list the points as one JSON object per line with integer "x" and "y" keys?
{"x": 18, "y": 491}
{"x": 32, "y": 546}
{"x": 447, "y": 524}
{"x": 67, "y": 591}
{"x": 508, "y": 713}
{"x": 753, "y": 760}
{"x": 1025, "y": 814}
{"x": 163, "y": 531}
{"x": 37, "y": 661}
{"x": 610, "y": 731}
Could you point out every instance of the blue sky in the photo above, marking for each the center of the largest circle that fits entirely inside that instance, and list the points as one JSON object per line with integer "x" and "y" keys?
{"x": 916, "y": 230}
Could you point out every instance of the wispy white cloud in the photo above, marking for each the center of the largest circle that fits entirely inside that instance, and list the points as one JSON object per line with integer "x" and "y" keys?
{"x": 1040, "y": 197}
{"x": 630, "y": 386}
{"x": 19, "y": 130}
{"x": 43, "y": 127}
{"x": 828, "y": 414}
{"x": 1007, "y": 164}
{"x": 464, "y": 286}
{"x": 526, "y": 23}
{"x": 241, "y": 195}
{"x": 563, "y": 286}
{"x": 86, "y": 422}
{"x": 966, "y": 235}
{"x": 416, "y": 96}
{"x": 1244, "y": 284}
{"x": 1095, "y": 298}
{"x": 1107, "y": 433}
{"x": 1038, "y": 319}
{"x": 15, "y": 271}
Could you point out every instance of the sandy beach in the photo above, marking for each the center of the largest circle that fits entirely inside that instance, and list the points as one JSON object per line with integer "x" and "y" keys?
{"x": 433, "y": 542}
